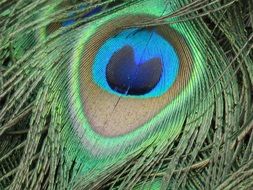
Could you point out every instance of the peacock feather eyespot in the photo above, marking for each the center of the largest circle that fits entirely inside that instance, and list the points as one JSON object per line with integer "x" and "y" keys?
{"x": 125, "y": 81}
{"x": 72, "y": 16}
{"x": 136, "y": 62}
{"x": 152, "y": 49}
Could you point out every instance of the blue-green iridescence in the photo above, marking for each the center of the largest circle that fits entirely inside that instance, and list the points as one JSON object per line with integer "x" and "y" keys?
{"x": 71, "y": 21}
{"x": 147, "y": 47}
{"x": 81, "y": 140}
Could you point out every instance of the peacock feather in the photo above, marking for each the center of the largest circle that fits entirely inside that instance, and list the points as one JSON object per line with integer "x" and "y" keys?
{"x": 126, "y": 94}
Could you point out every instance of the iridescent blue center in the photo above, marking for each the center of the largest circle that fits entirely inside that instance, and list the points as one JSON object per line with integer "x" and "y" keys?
{"x": 135, "y": 62}
{"x": 127, "y": 77}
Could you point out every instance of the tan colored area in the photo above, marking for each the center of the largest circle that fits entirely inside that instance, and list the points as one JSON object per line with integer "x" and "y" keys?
{"x": 110, "y": 115}
{"x": 52, "y": 27}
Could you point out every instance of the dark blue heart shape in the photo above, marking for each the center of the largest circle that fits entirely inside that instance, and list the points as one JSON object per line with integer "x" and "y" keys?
{"x": 126, "y": 77}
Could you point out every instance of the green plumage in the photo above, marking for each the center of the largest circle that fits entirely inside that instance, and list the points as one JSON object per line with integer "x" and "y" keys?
{"x": 198, "y": 135}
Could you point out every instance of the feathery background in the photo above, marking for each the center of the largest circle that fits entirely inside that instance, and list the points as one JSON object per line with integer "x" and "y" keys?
{"x": 196, "y": 135}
